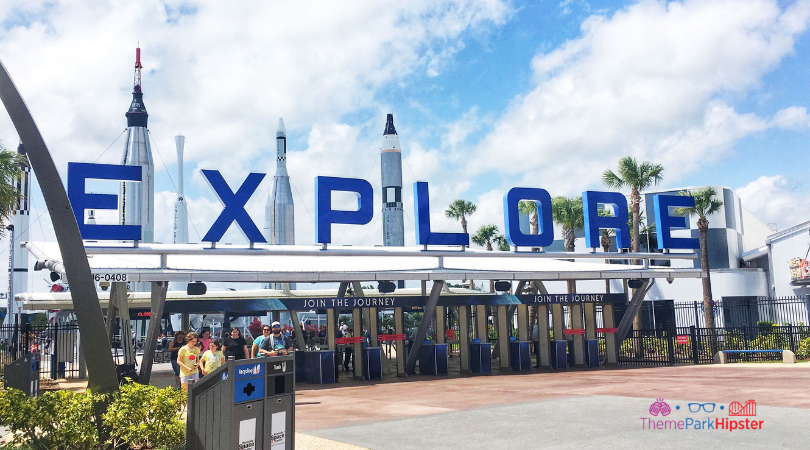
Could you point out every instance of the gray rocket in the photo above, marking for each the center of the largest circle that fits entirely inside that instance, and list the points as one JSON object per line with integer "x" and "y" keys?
{"x": 20, "y": 222}
{"x": 279, "y": 220}
{"x": 136, "y": 200}
{"x": 391, "y": 168}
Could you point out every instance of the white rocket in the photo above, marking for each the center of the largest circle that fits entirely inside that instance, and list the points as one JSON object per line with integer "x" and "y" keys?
{"x": 391, "y": 170}
{"x": 279, "y": 220}
{"x": 180, "y": 206}
{"x": 136, "y": 202}
{"x": 19, "y": 258}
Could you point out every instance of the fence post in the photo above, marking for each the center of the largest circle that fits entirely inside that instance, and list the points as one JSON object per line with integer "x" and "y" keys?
{"x": 695, "y": 353}
{"x": 792, "y": 339}
{"x": 26, "y": 329}
{"x": 697, "y": 316}
{"x": 54, "y": 351}
{"x": 671, "y": 343}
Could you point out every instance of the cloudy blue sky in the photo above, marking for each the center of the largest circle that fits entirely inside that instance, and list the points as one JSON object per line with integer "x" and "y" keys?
{"x": 486, "y": 94}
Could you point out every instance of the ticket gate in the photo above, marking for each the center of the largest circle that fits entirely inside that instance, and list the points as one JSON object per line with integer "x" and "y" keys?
{"x": 520, "y": 355}
{"x": 480, "y": 356}
{"x": 433, "y": 359}
{"x": 559, "y": 354}
{"x": 253, "y": 402}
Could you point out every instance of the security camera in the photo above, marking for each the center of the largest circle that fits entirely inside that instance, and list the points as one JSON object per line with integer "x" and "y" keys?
{"x": 670, "y": 280}
{"x": 104, "y": 285}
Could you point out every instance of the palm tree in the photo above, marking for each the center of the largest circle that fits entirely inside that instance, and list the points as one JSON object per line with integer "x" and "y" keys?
{"x": 485, "y": 236}
{"x": 460, "y": 210}
{"x": 530, "y": 208}
{"x": 705, "y": 205}
{"x": 637, "y": 177}
{"x": 501, "y": 242}
{"x": 567, "y": 212}
{"x": 10, "y": 172}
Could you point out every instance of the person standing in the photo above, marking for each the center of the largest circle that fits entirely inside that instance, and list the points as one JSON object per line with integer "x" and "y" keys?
{"x": 188, "y": 359}
{"x": 213, "y": 357}
{"x": 235, "y": 345}
{"x": 257, "y": 343}
{"x": 277, "y": 344}
{"x": 205, "y": 338}
{"x": 174, "y": 347}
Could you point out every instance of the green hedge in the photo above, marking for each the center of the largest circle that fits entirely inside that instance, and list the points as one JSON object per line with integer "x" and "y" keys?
{"x": 138, "y": 416}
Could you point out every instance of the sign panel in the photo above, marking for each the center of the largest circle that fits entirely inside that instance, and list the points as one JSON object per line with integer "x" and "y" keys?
{"x": 249, "y": 371}
{"x": 574, "y": 331}
{"x": 682, "y": 339}
{"x": 391, "y": 337}
{"x": 305, "y": 304}
{"x": 546, "y": 299}
{"x": 607, "y": 330}
{"x": 350, "y": 340}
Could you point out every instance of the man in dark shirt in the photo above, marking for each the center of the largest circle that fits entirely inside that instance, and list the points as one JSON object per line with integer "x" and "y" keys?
{"x": 277, "y": 344}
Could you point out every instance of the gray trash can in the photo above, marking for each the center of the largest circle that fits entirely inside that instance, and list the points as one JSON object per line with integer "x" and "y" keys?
{"x": 246, "y": 404}
{"x": 23, "y": 374}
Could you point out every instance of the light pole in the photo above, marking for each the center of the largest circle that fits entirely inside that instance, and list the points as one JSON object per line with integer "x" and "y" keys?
{"x": 10, "y": 228}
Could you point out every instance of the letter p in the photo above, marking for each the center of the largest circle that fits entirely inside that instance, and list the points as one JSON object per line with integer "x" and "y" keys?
{"x": 325, "y": 216}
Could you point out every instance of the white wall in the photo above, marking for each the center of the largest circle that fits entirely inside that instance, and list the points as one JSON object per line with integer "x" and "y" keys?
{"x": 782, "y": 250}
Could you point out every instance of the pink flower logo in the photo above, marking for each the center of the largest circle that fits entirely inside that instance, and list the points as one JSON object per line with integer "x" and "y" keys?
{"x": 660, "y": 406}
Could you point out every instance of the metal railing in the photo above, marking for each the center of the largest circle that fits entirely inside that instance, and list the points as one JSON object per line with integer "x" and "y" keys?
{"x": 57, "y": 344}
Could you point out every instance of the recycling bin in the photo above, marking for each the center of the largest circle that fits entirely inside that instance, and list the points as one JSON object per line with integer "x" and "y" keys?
{"x": 319, "y": 367}
{"x": 559, "y": 354}
{"x": 592, "y": 353}
{"x": 372, "y": 363}
{"x": 480, "y": 356}
{"x": 433, "y": 359}
{"x": 520, "y": 355}
{"x": 246, "y": 404}
{"x": 23, "y": 374}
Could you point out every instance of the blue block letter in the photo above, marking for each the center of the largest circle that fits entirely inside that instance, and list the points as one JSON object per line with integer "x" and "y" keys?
{"x": 664, "y": 223}
{"x": 421, "y": 206}
{"x": 511, "y": 213}
{"x": 591, "y": 201}
{"x": 325, "y": 216}
{"x": 234, "y": 207}
{"x": 80, "y": 200}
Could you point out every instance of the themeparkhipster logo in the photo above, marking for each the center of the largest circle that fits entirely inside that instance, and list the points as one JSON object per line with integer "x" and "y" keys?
{"x": 699, "y": 417}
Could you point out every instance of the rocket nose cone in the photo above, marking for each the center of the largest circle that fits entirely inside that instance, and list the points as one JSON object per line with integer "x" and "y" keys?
{"x": 389, "y": 125}
{"x": 281, "y": 128}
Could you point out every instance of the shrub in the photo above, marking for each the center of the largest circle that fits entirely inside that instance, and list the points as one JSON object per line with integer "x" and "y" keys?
{"x": 139, "y": 416}
{"x": 145, "y": 416}
{"x": 803, "y": 350}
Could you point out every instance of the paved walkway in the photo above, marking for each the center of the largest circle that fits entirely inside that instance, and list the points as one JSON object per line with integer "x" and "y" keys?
{"x": 573, "y": 409}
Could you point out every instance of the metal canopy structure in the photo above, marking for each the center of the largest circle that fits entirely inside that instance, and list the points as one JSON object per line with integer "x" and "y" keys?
{"x": 278, "y": 263}
{"x": 163, "y": 263}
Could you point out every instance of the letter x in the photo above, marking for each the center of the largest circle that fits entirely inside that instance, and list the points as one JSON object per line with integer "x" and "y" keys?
{"x": 234, "y": 206}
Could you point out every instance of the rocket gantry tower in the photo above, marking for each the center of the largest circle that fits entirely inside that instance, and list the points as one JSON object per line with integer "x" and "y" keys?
{"x": 279, "y": 225}
{"x": 136, "y": 199}
{"x": 391, "y": 168}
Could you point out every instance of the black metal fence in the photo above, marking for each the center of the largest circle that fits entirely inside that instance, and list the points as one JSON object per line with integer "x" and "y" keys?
{"x": 692, "y": 345}
{"x": 57, "y": 345}
{"x": 729, "y": 312}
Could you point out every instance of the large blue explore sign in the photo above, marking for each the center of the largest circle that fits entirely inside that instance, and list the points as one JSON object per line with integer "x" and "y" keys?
{"x": 326, "y": 215}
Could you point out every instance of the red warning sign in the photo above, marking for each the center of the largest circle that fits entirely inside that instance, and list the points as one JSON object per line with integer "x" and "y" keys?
{"x": 349, "y": 340}
{"x": 574, "y": 331}
{"x": 391, "y": 337}
{"x": 682, "y": 339}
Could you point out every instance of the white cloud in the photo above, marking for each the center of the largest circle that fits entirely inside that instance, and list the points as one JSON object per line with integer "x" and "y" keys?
{"x": 649, "y": 82}
{"x": 773, "y": 199}
{"x": 220, "y": 72}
